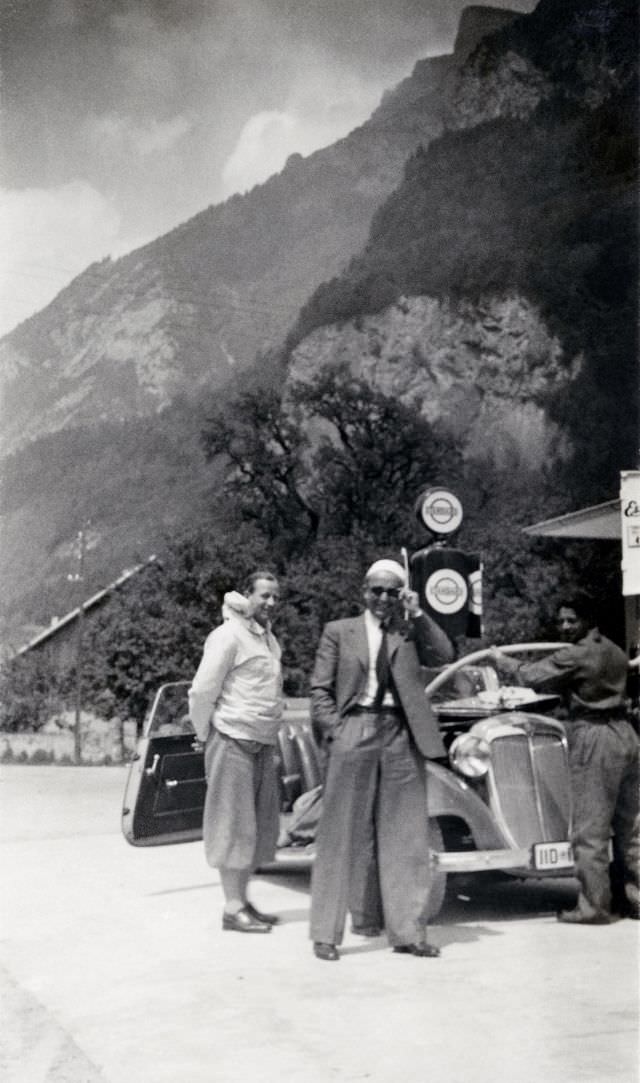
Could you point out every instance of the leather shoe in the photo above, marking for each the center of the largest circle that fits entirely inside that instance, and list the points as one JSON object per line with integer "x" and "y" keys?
{"x": 577, "y": 917}
{"x": 423, "y": 951}
{"x": 366, "y": 930}
{"x": 632, "y": 902}
{"x": 326, "y": 951}
{"x": 243, "y": 922}
{"x": 257, "y": 915}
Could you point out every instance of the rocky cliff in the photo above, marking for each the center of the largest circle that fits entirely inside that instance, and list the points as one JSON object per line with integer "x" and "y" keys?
{"x": 499, "y": 281}
{"x": 486, "y": 371}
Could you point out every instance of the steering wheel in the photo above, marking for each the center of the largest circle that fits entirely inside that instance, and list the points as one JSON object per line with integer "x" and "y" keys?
{"x": 478, "y": 656}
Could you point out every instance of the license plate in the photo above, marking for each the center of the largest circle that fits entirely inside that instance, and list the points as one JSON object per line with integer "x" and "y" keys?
{"x": 552, "y": 855}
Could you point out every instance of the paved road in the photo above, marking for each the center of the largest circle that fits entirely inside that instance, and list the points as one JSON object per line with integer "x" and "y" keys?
{"x": 113, "y": 967}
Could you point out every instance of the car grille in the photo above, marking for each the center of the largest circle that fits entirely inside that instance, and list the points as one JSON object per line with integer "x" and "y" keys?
{"x": 529, "y": 786}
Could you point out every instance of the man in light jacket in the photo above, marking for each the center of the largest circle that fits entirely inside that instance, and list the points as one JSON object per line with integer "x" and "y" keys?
{"x": 235, "y": 705}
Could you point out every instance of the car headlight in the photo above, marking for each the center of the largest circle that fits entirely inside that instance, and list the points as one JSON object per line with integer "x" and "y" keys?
{"x": 470, "y": 755}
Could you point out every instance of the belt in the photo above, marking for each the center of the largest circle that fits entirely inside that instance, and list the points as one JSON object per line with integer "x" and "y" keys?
{"x": 375, "y": 710}
{"x": 593, "y": 714}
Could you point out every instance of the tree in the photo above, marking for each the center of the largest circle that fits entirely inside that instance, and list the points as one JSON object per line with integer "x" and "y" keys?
{"x": 265, "y": 446}
{"x": 30, "y": 692}
{"x": 323, "y": 482}
{"x": 375, "y": 455}
{"x": 334, "y": 457}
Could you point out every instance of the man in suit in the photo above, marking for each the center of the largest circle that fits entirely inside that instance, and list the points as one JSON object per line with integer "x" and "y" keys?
{"x": 367, "y": 700}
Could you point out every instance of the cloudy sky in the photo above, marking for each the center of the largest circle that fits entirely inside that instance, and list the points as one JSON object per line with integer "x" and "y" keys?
{"x": 122, "y": 118}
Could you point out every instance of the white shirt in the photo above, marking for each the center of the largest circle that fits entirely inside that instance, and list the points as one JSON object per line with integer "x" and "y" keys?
{"x": 374, "y": 639}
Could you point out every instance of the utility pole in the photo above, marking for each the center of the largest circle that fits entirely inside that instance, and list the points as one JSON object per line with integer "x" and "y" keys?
{"x": 78, "y": 578}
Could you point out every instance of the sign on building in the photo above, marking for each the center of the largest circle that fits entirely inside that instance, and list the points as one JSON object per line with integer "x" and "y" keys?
{"x": 630, "y": 529}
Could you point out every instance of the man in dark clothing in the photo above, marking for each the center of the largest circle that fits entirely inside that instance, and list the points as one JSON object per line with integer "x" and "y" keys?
{"x": 603, "y": 756}
{"x": 367, "y": 700}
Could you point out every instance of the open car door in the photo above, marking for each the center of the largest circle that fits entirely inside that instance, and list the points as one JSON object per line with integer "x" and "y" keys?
{"x": 165, "y": 792}
{"x": 166, "y": 788}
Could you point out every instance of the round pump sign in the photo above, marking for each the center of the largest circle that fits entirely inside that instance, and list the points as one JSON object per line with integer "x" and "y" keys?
{"x": 446, "y": 591}
{"x": 440, "y": 511}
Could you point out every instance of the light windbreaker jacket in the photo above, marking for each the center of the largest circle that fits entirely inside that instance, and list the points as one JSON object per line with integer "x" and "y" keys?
{"x": 238, "y": 685}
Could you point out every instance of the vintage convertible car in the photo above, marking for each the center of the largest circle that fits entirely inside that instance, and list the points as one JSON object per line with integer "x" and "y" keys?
{"x": 501, "y": 802}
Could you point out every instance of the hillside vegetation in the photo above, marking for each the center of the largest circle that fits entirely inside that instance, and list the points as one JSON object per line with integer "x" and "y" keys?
{"x": 180, "y": 317}
{"x": 522, "y": 212}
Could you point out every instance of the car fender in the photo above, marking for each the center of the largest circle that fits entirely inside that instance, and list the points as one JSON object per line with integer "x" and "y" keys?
{"x": 448, "y": 795}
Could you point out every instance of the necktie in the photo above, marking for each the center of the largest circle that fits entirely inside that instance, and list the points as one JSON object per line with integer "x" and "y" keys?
{"x": 382, "y": 670}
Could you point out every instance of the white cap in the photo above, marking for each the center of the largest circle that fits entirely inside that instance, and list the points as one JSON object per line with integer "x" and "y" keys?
{"x": 387, "y": 567}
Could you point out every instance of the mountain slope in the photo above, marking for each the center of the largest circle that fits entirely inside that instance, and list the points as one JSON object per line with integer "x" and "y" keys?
{"x": 498, "y": 279}
{"x": 185, "y": 310}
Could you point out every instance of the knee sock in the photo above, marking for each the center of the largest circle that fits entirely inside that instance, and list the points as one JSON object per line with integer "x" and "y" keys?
{"x": 234, "y": 886}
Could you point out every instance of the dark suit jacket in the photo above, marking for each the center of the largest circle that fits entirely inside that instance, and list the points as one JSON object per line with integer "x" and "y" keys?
{"x": 340, "y": 675}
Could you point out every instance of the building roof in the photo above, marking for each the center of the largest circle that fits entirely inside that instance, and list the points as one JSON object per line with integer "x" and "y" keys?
{"x": 87, "y": 605}
{"x": 599, "y": 521}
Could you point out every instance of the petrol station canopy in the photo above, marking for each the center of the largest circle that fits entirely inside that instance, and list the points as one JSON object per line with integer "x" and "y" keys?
{"x": 600, "y": 521}
{"x": 605, "y": 522}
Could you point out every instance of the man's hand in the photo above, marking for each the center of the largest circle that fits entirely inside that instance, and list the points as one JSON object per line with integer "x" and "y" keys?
{"x": 410, "y": 601}
{"x": 503, "y": 662}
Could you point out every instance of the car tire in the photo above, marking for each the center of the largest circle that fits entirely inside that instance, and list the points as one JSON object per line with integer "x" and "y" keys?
{"x": 311, "y": 772}
{"x": 438, "y": 887}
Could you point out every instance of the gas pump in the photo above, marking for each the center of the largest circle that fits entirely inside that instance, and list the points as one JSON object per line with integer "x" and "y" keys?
{"x": 447, "y": 580}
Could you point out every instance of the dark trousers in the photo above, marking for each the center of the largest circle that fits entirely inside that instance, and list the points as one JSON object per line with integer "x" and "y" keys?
{"x": 603, "y": 758}
{"x": 374, "y": 817}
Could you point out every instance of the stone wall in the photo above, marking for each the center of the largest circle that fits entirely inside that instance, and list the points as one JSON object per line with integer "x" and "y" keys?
{"x": 103, "y": 741}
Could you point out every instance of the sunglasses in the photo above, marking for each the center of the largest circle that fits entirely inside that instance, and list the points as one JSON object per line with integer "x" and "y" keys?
{"x": 391, "y": 592}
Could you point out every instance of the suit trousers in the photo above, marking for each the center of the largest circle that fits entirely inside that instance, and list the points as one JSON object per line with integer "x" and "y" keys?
{"x": 603, "y": 758}
{"x": 374, "y": 814}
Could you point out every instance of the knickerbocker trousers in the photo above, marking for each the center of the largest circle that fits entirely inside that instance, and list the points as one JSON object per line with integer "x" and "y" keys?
{"x": 241, "y": 811}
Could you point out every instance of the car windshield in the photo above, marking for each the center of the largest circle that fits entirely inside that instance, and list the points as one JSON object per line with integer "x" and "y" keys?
{"x": 469, "y": 681}
{"x": 169, "y": 715}
{"x": 476, "y": 691}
